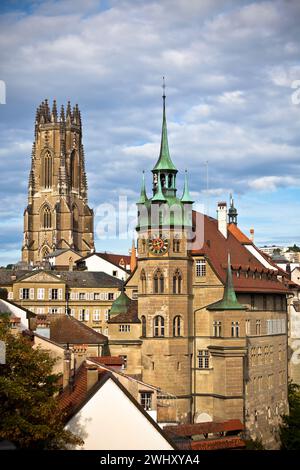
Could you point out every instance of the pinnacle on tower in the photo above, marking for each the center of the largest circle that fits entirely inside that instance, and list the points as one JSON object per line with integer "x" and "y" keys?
{"x": 143, "y": 196}
{"x": 62, "y": 113}
{"x": 68, "y": 112}
{"x": 232, "y": 212}
{"x": 54, "y": 112}
{"x": 159, "y": 196}
{"x": 186, "y": 198}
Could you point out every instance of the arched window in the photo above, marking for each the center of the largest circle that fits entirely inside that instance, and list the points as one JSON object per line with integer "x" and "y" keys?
{"x": 177, "y": 282}
{"x": 159, "y": 326}
{"x": 46, "y": 221}
{"x": 170, "y": 181}
{"x": 144, "y": 327}
{"x": 177, "y": 326}
{"x": 74, "y": 170}
{"x": 47, "y": 170}
{"x": 176, "y": 244}
{"x": 159, "y": 282}
{"x": 143, "y": 282}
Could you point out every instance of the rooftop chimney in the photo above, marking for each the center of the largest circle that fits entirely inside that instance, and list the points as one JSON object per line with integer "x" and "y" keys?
{"x": 222, "y": 218}
{"x": 92, "y": 376}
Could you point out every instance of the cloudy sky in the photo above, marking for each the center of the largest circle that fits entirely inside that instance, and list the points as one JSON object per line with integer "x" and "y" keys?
{"x": 232, "y": 72}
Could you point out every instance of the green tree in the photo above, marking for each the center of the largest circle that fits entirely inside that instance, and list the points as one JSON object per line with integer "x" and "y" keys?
{"x": 290, "y": 428}
{"x": 30, "y": 415}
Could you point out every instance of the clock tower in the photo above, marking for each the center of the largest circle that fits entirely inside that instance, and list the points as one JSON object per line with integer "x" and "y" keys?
{"x": 165, "y": 280}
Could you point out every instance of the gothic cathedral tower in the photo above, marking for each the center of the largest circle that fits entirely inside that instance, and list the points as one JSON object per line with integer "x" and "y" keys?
{"x": 165, "y": 281}
{"x": 57, "y": 215}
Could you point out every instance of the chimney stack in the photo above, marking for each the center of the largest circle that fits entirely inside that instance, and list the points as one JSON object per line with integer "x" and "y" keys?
{"x": 222, "y": 218}
{"x": 92, "y": 376}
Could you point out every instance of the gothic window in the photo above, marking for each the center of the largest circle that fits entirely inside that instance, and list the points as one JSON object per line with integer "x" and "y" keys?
{"x": 170, "y": 181}
{"x": 144, "y": 327}
{"x": 177, "y": 282}
{"x": 177, "y": 326}
{"x": 163, "y": 180}
{"x": 74, "y": 170}
{"x": 47, "y": 170}
{"x": 159, "y": 282}
{"x": 159, "y": 326}
{"x": 143, "y": 282}
{"x": 46, "y": 221}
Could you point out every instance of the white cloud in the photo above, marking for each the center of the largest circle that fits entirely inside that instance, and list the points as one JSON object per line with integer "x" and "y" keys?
{"x": 271, "y": 183}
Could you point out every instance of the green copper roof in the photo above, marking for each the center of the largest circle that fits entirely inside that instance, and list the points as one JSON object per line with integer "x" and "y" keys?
{"x": 164, "y": 161}
{"x": 186, "y": 197}
{"x": 229, "y": 301}
{"x": 120, "y": 305}
{"x": 143, "y": 196}
{"x": 159, "y": 195}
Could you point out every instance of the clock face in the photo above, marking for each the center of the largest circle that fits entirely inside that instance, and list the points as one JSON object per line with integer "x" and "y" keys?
{"x": 158, "y": 245}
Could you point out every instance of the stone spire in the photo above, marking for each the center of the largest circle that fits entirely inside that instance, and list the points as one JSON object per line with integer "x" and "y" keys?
{"x": 229, "y": 301}
{"x": 186, "y": 198}
{"x": 54, "y": 112}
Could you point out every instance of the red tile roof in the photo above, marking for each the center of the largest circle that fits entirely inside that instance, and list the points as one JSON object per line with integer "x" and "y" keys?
{"x": 108, "y": 360}
{"x": 73, "y": 396}
{"x": 216, "y": 248}
{"x": 231, "y": 442}
{"x": 238, "y": 234}
{"x": 205, "y": 428}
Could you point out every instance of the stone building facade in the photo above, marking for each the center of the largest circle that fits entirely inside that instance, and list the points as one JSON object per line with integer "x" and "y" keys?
{"x": 57, "y": 215}
{"x": 209, "y": 330}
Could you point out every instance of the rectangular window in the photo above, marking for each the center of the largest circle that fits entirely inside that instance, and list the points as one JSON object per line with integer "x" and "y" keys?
{"x": 200, "y": 267}
{"x": 124, "y": 366}
{"x": 114, "y": 273}
{"x": 258, "y": 327}
{"x": 203, "y": 359}
{"x": 54, "y": 294}
{"x": 134, "y": 295}
{"x": 40, "y": 293}
{"x": 110, "y": 296}
{"x": 124, "y": 328}
{"x": 96, "y": 296}
{"x": 40, "y": 310}
{"x": 96, "y": 315}
{"x": 106, "y": 315}
{"x": 81, "y": 296}
{"x": 235, "y": 329}
{"x": 52, "y": 310}
{"x": 24, "y": 294}
{"x": 248, "y": 327}
{"x": 217, "y": 329}
{"x": 146, "y": 400}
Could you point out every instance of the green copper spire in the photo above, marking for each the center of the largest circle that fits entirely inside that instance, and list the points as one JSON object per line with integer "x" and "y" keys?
{"x": 164, "y": 161}
{"x": 186, "y": 197}
{"x": 143, "y": 196}
{"x": 159, "y": 195}
{"x": 229, "y": 301}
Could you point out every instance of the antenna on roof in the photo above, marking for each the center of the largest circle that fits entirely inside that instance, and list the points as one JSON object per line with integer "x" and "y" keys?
{"x": 207, "y": 188}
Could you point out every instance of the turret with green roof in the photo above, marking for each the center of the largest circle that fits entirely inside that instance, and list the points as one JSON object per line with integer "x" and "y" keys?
{"x": 229, "y": 301}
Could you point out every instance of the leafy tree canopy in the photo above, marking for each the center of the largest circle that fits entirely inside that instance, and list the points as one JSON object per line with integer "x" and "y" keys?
{"x": 290, "y": 428}
{"x": 30, "y": 416}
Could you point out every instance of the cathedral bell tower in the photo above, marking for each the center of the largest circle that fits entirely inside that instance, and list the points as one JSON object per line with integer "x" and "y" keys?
{"x": 57, "y": 215}
{"x": 164, "y": 280}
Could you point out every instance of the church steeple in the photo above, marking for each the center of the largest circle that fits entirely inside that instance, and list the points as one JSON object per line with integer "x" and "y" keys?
{"x": 164, "y": 165}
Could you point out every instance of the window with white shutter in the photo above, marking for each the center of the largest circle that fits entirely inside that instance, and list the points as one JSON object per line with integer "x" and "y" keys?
{"x": 49, "y": 294}
{"x": 102, "y": 296}
{"x": 60, "y": 294}
{"x": 31, "y": 293}
{"x": 106, "y": 296}
{"x": 72, "y": 312}
{"x": 20, "y": 293}
{"x": 87, "y": 315}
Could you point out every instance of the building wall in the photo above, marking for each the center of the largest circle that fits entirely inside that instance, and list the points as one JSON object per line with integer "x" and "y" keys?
{"x": 95, "y": 263}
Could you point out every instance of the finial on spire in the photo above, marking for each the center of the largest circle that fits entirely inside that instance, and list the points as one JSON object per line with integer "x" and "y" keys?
{"x": 232, "y": 212}
{"x": 164, "y": 89}
{"x": 186, "y": 197}
{"x": 143, "y": 196}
